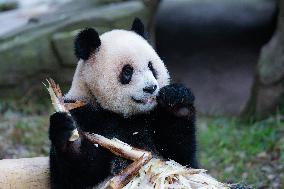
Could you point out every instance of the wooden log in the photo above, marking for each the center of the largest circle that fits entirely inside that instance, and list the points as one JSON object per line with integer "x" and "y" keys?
{"x": 25, "y": 173}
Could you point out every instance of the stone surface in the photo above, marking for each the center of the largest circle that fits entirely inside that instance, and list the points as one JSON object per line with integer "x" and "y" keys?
{"x": 44, "y": 48}
{"x": 271, "y": 63}
{"x": 268, "y": 90}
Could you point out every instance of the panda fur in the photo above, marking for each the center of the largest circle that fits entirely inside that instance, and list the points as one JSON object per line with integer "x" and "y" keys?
{"x": 129, "y": 96}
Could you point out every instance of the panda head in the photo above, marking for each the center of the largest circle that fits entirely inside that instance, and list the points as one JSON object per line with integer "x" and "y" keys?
{"x": 119, "y": 69}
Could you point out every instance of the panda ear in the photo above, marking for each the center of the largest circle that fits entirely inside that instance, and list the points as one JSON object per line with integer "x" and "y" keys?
{"x": 138, "y": 27}
{"x": 86, "y": 42}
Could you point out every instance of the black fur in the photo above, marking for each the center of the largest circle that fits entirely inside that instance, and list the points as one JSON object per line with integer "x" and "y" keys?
{"x": 155, "y": 74}
{"x": 150, "y": 89}
{"x": 126, "y": 74}
{"x": 138, "y": 27}
{"x": 163, "y": 131}
{"x": 86, "y": 42}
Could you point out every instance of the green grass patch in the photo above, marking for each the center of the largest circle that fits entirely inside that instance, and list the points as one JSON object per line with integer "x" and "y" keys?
{"x": 24, "y": 129}
{"x": 31, "y": 133}
{"x": 236, "y": 151}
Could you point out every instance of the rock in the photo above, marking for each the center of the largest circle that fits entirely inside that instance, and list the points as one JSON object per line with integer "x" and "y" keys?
{"x": 268, "y": 91}
{"x": 271, "y": 63}
{"x": 45, "y": 48}
{"x": 62, "y": 43}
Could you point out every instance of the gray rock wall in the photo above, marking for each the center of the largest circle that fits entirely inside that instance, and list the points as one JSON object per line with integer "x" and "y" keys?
{"x": 44, "y": 47}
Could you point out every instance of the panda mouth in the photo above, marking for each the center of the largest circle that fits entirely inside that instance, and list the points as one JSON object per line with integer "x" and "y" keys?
{"x": 149, "y": 100}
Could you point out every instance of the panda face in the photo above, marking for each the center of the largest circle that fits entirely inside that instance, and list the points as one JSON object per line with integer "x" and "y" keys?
{"x": 119, "y": 69}
{"x": 125, "y": 73}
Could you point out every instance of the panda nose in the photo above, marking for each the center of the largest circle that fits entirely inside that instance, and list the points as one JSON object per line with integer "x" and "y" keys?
{"x": 150, "y": 89}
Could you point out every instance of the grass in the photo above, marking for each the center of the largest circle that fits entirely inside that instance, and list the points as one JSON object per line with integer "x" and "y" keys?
{"x": 235, "y": 151}
{"x": 23, "y": 128}
{"x": 231, "y": 150}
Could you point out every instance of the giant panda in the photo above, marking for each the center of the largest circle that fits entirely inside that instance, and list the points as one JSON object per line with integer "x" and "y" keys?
{"x": 129, "y": 96}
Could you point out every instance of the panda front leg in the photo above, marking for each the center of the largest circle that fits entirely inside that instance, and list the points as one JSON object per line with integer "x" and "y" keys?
{"x": 61, "y": 128}
{"x": 77, "y": 164}
{"x": 175, "y": 127}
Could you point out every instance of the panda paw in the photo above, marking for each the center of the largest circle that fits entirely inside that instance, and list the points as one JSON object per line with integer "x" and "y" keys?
{"x": 178, "y": 99}
{"x": 61, "y": 127}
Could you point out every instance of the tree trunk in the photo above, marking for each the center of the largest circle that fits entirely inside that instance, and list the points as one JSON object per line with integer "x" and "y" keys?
{"x": 268, "y": 89}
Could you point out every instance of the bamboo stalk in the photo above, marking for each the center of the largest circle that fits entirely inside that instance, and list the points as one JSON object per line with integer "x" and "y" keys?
{"x": 127, "y": 174}
{"x": 117, "y": 147}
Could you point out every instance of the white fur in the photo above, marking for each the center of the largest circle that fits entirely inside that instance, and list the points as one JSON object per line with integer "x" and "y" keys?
{"x": 98, "y": 77}
{"x": 79, "y": 89}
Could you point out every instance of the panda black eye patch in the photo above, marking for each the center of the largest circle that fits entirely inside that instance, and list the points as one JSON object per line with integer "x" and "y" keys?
{"x": 150, "y": 65}
{"x": 126, "y": 74}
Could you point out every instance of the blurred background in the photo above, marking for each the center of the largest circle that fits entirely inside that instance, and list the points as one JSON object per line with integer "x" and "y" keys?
{"x": 229, "y": 52}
